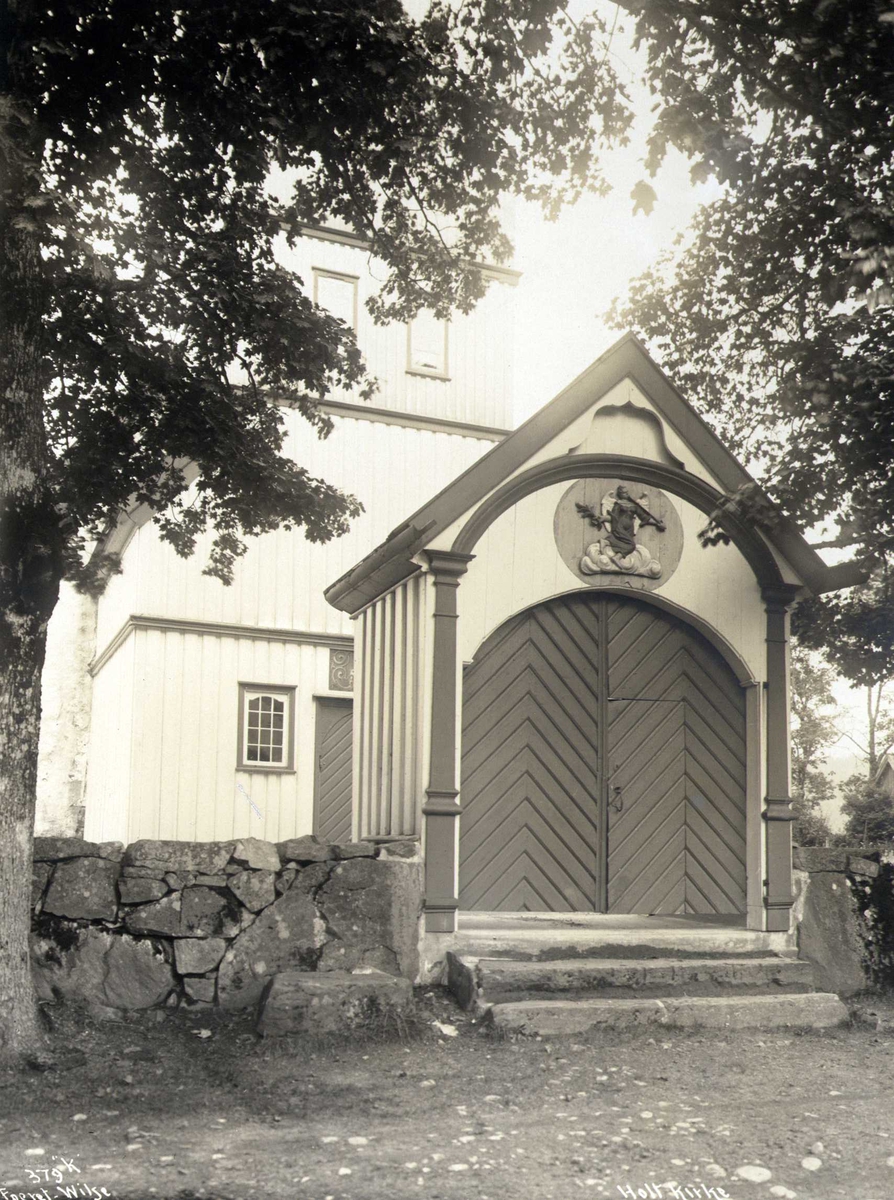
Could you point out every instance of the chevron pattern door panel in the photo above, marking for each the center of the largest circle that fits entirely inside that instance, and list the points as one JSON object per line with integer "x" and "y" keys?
{"x": 530, "y": 763}
{"x": 603, "y": 765}
{"x": 332, "y": 791}
{"x": 676, "y": 760}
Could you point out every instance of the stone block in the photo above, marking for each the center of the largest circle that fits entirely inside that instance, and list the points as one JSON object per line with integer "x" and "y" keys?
{"x": 822, "y": 858}
{"x": 200, "y": 989}
{"x": 97, "y": 967}
{"x": 284, "y": 936}
{"x": 137, "y": 975}
{"x": 142, "y": 873}
{"x": 208, "y": 912}
{"x": 285, "y": 880}
{"x": 372, "y": 906}
{"x": 205, "y": 858}
{"x": 40, "y": 875}
{"x": 197, "y": 956}
{"x": 400, "y": 848}
{"x": 257, "y": 854}
{"x": 829, "y": 935}
{"x": 255, "y": 889}
{"x": 862, "y": 866}
{"x": 55, "y": 849}
{"x": 211, "y": 880}
{"x": 808, "y": 1010}
{"x": 161, "y": 916}
{"x": 300, "y": 1001}
{"x": 355, "y": 850}
{"x": 340, "y": 956}
{"x": 141, "y": 891}
{"x": 178, "y": 880}
{"x": 547, "y": 1018}
{"x": 304, "y": 849}
{"x": 84, "y": 888}
{"x": 309, "y": 878}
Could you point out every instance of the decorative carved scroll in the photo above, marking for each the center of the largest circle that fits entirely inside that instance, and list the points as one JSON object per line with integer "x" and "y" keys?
{"x": 341, "y": 670}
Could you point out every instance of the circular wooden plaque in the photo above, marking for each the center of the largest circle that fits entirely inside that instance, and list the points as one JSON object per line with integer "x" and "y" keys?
{"x": 608, "y": 536}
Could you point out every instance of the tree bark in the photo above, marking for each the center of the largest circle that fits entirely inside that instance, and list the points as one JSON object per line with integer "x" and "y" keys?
{"x": 31, "y": 560}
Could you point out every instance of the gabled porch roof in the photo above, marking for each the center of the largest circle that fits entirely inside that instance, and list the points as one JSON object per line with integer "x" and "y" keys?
{"x": 392, "y": 561}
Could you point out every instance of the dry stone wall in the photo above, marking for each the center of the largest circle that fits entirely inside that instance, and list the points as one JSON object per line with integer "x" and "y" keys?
{"x": 212, "y": 923}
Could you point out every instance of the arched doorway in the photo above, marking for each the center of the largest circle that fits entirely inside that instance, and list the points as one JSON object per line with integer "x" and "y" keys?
{"x": 603, "y": 764}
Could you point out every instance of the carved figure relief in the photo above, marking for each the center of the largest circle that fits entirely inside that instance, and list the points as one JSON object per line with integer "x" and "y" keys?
{"x": 618, "y": 549}
{"x": 617, "y": 531}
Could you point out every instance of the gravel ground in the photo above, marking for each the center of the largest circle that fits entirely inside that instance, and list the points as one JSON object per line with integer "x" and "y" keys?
{"x": 190, "y": 1106}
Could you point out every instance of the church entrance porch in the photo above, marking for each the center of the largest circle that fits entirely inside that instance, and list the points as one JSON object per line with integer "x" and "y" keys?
{"x": 603, "y": 765}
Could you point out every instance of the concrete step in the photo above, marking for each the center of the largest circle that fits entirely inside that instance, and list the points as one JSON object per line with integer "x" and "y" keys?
{"x": 549, "y": 1018}
{"x": 502, "y": 979}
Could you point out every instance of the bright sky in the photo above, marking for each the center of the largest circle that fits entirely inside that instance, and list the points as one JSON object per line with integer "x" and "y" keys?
{"x": 574, "y": 267}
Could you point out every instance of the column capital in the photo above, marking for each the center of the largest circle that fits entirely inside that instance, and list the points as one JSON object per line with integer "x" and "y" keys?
{"x": 446, "y": 565}
{"x": 778, "y": 808}
{"x": 780, "y": 597}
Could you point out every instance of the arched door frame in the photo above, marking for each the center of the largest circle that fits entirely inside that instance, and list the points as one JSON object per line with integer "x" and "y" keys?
{"x": 769, "y": 861}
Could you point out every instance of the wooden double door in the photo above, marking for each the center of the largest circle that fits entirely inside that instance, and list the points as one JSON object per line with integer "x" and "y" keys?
{"x": 603, "y": 765}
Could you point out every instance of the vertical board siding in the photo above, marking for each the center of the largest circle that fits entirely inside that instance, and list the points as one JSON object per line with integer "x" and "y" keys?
{"x": 389, "y": 742}
{"x": 108, "y": 796}
{"x": 179, "y": 767}
{"x": 479, "y": 386}
{"x": 281, "y": 579}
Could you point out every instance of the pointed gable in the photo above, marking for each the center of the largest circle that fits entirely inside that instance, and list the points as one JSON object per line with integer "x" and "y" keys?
{"x": 624, "y": 405}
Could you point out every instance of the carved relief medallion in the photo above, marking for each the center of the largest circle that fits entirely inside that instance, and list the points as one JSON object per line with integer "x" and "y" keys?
{"x": 611, "y": 531}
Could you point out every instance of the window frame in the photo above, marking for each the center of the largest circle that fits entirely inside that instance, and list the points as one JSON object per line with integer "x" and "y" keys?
{"x": 343, "y": 277}
{"x": 248, "y": 691}
{"x": 429, "y": 372}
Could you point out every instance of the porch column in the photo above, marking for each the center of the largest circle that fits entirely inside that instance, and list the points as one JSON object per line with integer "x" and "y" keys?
{"x": 778, "y": 812}
{"x": 441, "y": 809}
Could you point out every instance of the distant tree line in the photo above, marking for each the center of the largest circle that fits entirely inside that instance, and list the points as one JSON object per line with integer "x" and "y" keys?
{"x": 866, "y": 803}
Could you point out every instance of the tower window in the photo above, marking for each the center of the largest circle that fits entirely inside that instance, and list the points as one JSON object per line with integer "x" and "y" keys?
{"x": 338, "y": 294}
{"x": 427, "y": 345}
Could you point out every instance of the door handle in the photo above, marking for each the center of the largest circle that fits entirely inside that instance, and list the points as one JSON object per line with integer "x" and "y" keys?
{"x": 616, "y": 800}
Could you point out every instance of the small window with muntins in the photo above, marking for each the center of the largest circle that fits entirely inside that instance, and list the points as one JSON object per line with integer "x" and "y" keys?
{"x": 266, "y": 728}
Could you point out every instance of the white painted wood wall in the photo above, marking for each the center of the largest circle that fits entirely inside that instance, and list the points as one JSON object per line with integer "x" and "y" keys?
{"x": 391, "y": 706}
{"x": 163, "y": 742}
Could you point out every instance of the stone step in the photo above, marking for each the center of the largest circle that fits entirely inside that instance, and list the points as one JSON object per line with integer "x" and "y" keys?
{"x": 549, "y": 1018}
{"x": 546, "y": 939}
{"x": 499, "y": 979}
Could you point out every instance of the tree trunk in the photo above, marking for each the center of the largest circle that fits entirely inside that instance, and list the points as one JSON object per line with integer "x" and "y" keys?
{"x": 31, "y": 558}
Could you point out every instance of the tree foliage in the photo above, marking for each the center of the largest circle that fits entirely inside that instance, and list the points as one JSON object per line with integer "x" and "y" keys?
{"x": 774, "y": 313}
{"x": 153, "y": 159}
{"x": 139, "y": 141}
{"x": 813, "y": 732}
{"x": 869, "y": 812}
